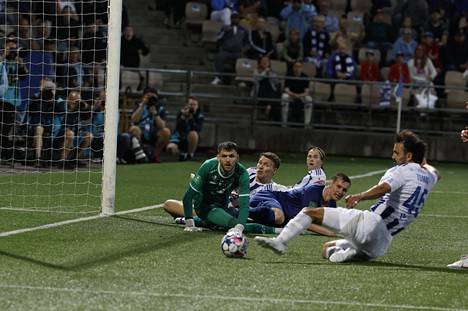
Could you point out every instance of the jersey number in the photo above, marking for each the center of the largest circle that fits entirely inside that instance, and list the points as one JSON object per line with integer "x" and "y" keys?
{"x": 416, "y": 201}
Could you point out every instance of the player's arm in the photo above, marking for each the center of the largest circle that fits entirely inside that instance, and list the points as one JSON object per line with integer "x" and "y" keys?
{"x": 373, "y": 193}
{"x": 244, "y": 195}
{"x": 193, "y": 194}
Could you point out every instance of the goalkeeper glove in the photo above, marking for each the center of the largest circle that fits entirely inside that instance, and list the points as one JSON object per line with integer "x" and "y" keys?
{"x": 190, "y": 226}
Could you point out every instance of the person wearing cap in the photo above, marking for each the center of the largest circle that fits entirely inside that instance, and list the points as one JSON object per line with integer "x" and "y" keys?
{"x": 221, "y": 10}
{"x": 12, "y": 70}
{"x": 149, "y": 125}
{"x": 405, "y": 44}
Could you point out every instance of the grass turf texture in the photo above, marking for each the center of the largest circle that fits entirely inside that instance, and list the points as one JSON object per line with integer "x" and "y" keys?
{"x": 144, "y": 261}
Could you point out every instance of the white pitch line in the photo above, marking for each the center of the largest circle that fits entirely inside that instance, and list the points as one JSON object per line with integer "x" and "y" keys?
{"x": 269, "y": 300}
{"x": 443, "y": 216}
{"x": 372, "y": 173}
{"x": 449, "y": 192}
{"x": 77, "y": 220}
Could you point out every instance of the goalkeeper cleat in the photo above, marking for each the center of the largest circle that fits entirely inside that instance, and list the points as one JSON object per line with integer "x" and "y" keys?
{"x": 271, "y": 243}
{"x": 180, "y": 220}
{"x": 459, "y": 265}
{"x": 341, "y": 255}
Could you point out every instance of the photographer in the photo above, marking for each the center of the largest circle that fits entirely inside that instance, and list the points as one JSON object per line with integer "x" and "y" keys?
{"x": 184, "y": 140}
{"x": 149, "y": 125}
{"x": 74, "y": 136}
{"x": 12, "y": 70}
{"x": 43, "y": 111}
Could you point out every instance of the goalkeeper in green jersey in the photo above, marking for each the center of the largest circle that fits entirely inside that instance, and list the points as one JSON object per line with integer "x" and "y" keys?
{"x": 209, "y": 190}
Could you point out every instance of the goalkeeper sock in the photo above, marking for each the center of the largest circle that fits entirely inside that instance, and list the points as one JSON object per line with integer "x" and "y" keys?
{"x": 263, "y": 215}
{"x": 294, "y": 227}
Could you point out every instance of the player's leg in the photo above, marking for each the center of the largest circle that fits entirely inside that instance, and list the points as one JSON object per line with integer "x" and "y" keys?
{"x": 175, "y": 208}
{"x": 265, "y": 209}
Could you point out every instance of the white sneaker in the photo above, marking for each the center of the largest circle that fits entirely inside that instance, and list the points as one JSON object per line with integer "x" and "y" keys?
{"x": 271, "y": 243}
{"x": 216, "y": 81}
{"x": 341, "y": 255}
{"x": 180, "y": 220}
{"x": 459, "y": 265}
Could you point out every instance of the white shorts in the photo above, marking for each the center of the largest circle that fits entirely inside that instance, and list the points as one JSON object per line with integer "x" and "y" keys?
{"x": 365, "y": 230}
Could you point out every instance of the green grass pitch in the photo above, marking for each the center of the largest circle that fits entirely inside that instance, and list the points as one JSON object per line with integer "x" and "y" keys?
{"x": 142, "y": 261}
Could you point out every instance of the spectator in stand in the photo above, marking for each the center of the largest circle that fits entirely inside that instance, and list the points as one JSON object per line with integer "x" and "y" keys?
{"x": 94, "y": 47}
{"x": 268, "y": 89}
{"x": 261, "y": 42}
{"x": 12, "y": 70}
{"x": 97, "y": 127}
{"x": 74, "y": 137}
{"x": 293, "y": 50}
{"x": 331, "y": 21}
{"x": 456, "y": 53}
{"x": 407, "y": 24}
{"x": 340, "y": 66}
{"x": 24, "y": 33}
{"x": 72, "y": 74}
{"x": 221, "y": 10}
{"x": 432, "y": 49}
{"x": 369, "y": 71}
{"x": 42, "y": 126}
{"x": 379, "y": 34}
{"x": 249, "y": 9}
{"x": 189, "y": 123}
{"x": 67, "y": 27}
{"x": 352, "y": 39}
{"x": 406, "y": 45}
{"x": 438, "y": 27}
{"x": 422, "y": 72}
{"x": 149, "y": 125}
{"x": 399, "y": 70}
{"x": 233, "y": 42}
{"x": 417, "y": 9}
{"x": 41, "y": 33}
{"x": 296, "y": 93}
{"x": 316, "y": 44}
{"x": 130, "y": 49}
{"x": 297, "y": 17}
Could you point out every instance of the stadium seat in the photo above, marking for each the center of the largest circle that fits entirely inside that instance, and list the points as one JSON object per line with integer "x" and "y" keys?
{"x": 273, "y": 29}
{"x": 309, "y": 69}
{"x": 279, "y": 67}
{"x": 363, "y": 51}
{"x": 245, "y": 69}
{"x": 320, "y": 91}
{"x": 210, "y": 31}
{"x": 129, "y": 79}
{"x": 361, "y": 6}
{"x": 155, "y": 79}
{"x": 370, "y": 94}
{"x": 456, "y": 96}
{"x": 345, "y": 93}
{"x": 195, "y": 13}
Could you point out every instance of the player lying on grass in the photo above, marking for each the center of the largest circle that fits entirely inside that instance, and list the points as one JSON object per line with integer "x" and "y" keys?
{"x": 276, "y": 207}
{"x": 367, "y": 234}
{"x": 259, "y": 176}
{"x": 209, "y": 190}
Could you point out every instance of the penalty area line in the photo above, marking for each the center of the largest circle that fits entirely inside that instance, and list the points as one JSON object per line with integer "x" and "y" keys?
{"x": 228, "y": 298}
{"x": 77, "y": 220}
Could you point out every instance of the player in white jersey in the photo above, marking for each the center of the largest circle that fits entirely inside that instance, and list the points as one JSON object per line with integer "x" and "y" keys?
{"x": 316, "y": 174}
{"x": 260, "y": 176}
{"x": 368, "y": 234}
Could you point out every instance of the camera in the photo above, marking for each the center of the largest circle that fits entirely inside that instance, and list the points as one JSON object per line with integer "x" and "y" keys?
{"x": 187, "y": 110}
{"x": 47, "y": 94}
{"x": 152, "y": 101}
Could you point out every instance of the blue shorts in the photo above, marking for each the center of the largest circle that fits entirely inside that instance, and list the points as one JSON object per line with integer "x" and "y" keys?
{"x": 286, "y": 201}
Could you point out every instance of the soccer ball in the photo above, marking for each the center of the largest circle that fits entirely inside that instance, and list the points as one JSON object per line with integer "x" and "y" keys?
{"x": 234, "y": 244}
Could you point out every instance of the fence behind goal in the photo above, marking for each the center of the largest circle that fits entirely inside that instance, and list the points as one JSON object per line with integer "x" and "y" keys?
{"x": 53, "y": 103}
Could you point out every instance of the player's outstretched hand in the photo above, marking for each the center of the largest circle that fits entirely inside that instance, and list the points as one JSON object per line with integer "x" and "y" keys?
{"x": 190, "y": 226}
{"x": 352, "y": 200}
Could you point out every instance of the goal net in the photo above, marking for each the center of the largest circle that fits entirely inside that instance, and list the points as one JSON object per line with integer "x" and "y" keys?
{"x": 54, "y": 97}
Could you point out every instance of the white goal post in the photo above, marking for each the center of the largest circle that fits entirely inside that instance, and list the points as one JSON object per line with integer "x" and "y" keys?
{"x": 112, "y": 109}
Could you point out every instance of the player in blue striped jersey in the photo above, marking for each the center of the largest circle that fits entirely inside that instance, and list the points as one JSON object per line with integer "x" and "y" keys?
{"x": 316, "y": 174}
{"x": 367, "y": 234}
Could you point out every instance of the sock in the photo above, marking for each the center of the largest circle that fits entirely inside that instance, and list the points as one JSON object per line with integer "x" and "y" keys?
{"x": 199, "y": 222}
{"x": 262, "y": 215}
{"x": 294, "y": 227}
{"x": 258, "y": 228}
{"x": 220, "y": 217}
